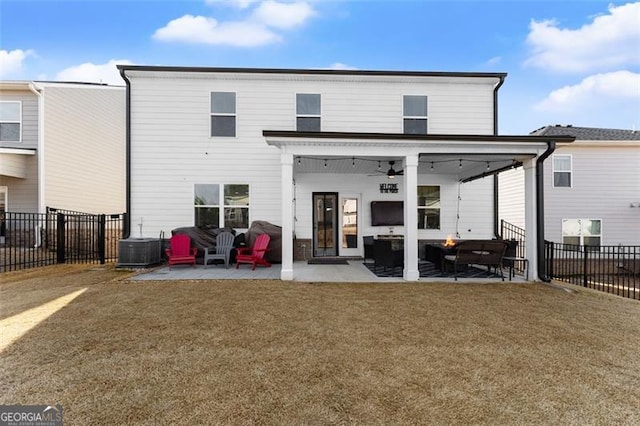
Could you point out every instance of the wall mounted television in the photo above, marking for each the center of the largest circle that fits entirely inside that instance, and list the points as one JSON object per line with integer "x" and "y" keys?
{"x": 387, "y": 213}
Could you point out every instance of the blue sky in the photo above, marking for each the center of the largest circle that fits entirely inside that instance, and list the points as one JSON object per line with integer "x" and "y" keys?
{"x": 569, "y": 62}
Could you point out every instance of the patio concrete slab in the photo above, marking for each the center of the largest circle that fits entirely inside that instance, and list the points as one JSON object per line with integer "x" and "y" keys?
{"x": 355, "y": 271}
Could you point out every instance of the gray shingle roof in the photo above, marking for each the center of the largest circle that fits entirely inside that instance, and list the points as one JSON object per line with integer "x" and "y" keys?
{"x": 588, "y": 133}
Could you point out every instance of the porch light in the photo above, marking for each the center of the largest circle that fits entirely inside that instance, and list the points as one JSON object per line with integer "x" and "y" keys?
{"x": 432, "y": 165}
{"x": 353, "y": 162}
{"x": 460, "y": 164}
{"x": 298, "y": 161}
{"x": 325, "y": 163}
{"x": 488, "y": 166}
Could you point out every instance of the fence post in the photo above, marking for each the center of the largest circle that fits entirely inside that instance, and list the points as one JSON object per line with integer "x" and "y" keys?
{"x": 550, "y": 255}
{"x": 101, "y": 237}
{"x": 60, "y": 238}
{"x": 584, "y": 266}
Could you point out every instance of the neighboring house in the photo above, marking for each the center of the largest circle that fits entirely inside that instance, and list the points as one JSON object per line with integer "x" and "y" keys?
{"x": 591, "y": 188}
{"x": 62, "y": 145}
{"x": 310, "y": 150}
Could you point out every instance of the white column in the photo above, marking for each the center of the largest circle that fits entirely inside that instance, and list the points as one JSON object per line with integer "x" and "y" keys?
{"x": 530, "y": 210}
{"x": 411, "y": 271}
{"x": 286, "y": 161}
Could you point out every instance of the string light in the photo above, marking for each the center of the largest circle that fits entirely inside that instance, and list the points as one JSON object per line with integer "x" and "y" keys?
{"x": 298, "y": 160}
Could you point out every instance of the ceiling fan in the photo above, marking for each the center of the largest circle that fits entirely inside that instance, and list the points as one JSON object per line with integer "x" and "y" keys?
{"x": 392, "y": 173}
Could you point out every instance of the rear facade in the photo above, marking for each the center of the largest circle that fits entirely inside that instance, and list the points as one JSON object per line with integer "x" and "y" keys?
{"x": 330, "y": 156}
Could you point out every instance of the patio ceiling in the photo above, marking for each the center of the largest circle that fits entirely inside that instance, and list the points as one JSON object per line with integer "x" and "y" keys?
{"x": 462, "y": 166}
{"x": 464, "y": 156}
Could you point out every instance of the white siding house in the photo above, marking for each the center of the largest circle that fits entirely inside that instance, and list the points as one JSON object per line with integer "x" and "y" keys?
{"x": 226, "y": 147}
{"x": 591, "y": 188}
{"x": 62, "y": 145}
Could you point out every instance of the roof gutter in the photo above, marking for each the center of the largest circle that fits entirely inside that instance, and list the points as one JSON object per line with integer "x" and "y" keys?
{"x": 496, "y": 195}
{"x": 41, "y": 181}
{"x": 542, "y": 273}
{"x": 127, "y": 220}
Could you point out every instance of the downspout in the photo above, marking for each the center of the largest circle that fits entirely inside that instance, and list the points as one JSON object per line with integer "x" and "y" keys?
{"x": 127, "y": 220}
{"x": 542, "y": 273}
{"x": 496, "y": 208}
{"x": 496, "y": 219}
{"x": 41, "y": 183}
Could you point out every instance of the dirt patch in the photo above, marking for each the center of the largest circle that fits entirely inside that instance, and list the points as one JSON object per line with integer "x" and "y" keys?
{"x": 149, "y": 352}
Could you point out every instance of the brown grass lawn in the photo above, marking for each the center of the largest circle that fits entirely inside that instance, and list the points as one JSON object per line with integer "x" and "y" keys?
{"x": 271, "y": 352}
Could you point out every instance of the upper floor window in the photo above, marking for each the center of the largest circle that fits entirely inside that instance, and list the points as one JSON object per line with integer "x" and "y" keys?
{"x": 582, "y": 232}
{"x": 308, "y": 112}
{"x": 562, "y": 171}
{"x": 415, "y": 115}
{"x": 10, "y": 121}
{"x": 220, "y": 205}
{"x": 428, "y": 207}
{"x": 223, "y": 114}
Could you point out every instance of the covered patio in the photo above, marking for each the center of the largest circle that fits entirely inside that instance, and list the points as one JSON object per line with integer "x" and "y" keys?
{"x": 354, "y": 271}
{"x": 314, "y": 161}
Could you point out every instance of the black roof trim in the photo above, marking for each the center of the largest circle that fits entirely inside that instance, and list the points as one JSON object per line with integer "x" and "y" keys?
{"x": 309, "y": 71}
{"x": 430, "y": 137}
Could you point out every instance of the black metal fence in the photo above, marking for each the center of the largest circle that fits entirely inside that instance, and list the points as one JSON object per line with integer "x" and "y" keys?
{"x": 511, "y": 232}
{"x": 31, "y": 240}
{"x": 612, "y": 269}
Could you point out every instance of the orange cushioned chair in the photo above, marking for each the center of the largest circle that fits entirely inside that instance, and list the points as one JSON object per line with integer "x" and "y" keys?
{"x": 180, "y": 251}
{"x": 255, "y": 254}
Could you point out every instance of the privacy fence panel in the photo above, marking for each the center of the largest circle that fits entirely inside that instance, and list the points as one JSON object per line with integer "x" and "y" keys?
{"x": 612, "y": 269}
{"x": 31, "y": 240}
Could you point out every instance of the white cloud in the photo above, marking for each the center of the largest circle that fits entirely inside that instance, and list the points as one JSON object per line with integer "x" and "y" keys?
{"x": 94, "y": 73}
{"x": 282, "y": 15}
{"x": 341, "y": 66}
{"x": 256, "y": 29}
{"x": 610, "y": 41}
{"x": 617, "y": 87}
{"x": 200, "y": 29}
{"x": 11, "y": 62}
{"x": 242, "y": 4}
{"x": 495, "y": 60}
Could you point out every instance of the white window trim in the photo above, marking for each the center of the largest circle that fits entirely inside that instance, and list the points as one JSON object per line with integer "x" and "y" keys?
{"x": 19, "y": 120}
{"x": 222, "y": 114}
{"x": 221, "y": 206}
{"x": 431, "y": 208}
{"x": 295, "y": 103}
{"x": 414, "y": 117}
{"x": 570, "y": 171}
{"x": 582, "y": 236}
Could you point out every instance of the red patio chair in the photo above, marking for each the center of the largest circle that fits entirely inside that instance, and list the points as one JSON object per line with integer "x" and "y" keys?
{"x": 180, "y": 251}
{"x": 255, "y": 254}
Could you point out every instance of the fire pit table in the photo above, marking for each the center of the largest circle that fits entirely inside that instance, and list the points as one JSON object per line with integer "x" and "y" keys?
{"x": 435, "y": 254}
